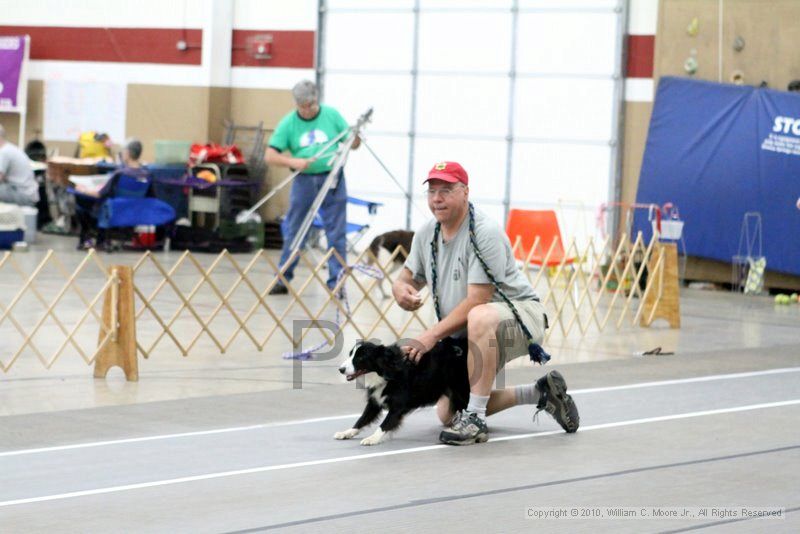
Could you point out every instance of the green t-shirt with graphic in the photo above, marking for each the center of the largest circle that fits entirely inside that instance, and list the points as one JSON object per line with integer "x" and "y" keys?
{"x": 304, "y": 138}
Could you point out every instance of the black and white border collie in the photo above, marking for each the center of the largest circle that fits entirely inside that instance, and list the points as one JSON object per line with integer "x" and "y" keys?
{"x": 401, "y": 386}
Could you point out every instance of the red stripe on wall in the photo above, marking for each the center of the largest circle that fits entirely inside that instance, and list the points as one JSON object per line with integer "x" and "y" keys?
{"x": 126, "y": 45}
{"x": 293, "y": 49}
{"x": 641, "y": 55}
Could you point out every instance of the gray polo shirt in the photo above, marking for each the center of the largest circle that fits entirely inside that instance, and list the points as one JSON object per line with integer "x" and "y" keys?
{"x": 16, "y": 167}
{"x": 458, "y": 266}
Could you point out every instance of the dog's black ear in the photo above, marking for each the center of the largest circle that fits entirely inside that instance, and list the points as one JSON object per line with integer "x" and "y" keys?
{"x": 355, "y": 347}
{"x": 362, "y": 344}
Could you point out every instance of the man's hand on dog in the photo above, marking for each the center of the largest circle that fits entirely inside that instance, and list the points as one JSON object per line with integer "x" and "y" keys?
{"x": 408, "y": 298}
{"x": 416, "y": 348}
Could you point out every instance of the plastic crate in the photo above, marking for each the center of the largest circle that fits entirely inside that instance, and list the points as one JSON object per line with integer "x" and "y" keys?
{"x": 166, "y": 188}
{"x": 174, "y": 171}
{"x": 172, "y": 151}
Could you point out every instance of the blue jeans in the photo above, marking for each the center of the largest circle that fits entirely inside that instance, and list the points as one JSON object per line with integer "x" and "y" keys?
{"x": 11, "y": 194}
{"x": 334, "y": 218}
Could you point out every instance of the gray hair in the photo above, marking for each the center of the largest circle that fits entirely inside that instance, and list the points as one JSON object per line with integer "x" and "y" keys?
{"x": 134, "y": 148}
{"x": 305, "y": 92}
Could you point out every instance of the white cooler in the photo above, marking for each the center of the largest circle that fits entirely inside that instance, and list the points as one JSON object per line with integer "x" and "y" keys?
{"x": 12, "y": 224}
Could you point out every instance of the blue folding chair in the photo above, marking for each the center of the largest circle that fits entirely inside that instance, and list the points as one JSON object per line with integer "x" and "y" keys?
{"x": 127, "y": 203}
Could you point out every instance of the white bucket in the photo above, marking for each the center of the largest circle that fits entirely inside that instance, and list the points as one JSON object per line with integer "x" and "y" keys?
{"x": 671, "y": 229}
{"x": 30, "y": 214}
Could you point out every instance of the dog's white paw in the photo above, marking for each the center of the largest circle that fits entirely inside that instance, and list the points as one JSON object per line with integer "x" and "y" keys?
{"x": 378, "y": 437}
{"x": 346, "y": 434}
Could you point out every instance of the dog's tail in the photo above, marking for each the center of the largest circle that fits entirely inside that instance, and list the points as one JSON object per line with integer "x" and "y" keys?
{"x": 374, "y": 249}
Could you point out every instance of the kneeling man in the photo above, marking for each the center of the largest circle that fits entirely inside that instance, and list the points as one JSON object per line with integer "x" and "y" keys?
{"x": 478, "y": 291}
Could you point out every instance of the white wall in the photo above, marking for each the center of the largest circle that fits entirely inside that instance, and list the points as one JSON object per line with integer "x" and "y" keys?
{"x": 178, "y": 14}
{"x": 642, "y": 20}
{"x": 275, "y": 14}
{"x": 104, "y": 13}
{"x": 643, "y": 17}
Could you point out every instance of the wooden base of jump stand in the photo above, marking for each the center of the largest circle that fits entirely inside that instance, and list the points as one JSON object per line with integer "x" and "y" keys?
{"x": 119, "y": 318}
{"x": 664, "y": 294}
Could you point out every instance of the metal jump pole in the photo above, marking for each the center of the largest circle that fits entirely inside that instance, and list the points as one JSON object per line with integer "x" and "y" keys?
{"x": 330, "y": 181}
{"x": 322, "y": 152}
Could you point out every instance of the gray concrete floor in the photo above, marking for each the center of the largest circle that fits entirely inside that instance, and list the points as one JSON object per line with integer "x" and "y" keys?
{"x": 216, "y": 443}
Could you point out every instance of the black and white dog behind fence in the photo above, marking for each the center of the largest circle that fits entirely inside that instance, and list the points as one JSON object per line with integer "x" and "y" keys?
{"x": 400, "y": 386}
{"x": 389, "y": 241}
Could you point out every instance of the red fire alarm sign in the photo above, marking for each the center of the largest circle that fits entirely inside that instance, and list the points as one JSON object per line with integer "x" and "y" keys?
{"x": 260, "y": 46}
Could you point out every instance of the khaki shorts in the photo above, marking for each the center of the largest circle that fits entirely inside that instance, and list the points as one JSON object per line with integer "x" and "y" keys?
{"x": 510, "y": 338}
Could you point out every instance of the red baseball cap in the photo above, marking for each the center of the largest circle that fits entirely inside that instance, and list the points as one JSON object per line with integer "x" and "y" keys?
{"x": 448, "y": 171}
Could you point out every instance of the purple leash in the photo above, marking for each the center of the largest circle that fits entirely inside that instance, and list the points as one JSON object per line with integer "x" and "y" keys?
{"x": 370, "y": 271}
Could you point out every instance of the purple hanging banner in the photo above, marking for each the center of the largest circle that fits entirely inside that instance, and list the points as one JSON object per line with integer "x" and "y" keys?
{"x": 12, "y": 56}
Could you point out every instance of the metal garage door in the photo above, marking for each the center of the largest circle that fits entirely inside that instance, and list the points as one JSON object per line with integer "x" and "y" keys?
{"x": 525, "y": 94}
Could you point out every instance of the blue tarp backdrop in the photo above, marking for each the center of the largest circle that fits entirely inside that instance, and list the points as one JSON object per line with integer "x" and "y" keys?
{"x": 717, "y": 151}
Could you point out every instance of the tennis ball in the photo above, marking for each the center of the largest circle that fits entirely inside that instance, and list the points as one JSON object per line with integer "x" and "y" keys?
{"x": 793, "y": 296}
{"x": 778, "y": 299}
